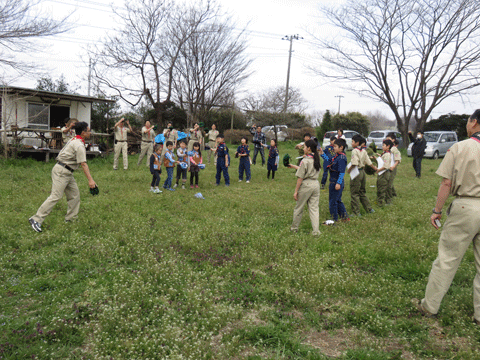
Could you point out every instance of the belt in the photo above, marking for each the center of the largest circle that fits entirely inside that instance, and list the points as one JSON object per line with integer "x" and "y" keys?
{"x": 360, "y": 169}
{"x": 121, "y": 140}
{"x": 147, "y": 141}
{"x": 65, "y": 166}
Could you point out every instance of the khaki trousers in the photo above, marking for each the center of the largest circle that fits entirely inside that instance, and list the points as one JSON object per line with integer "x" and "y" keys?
{"x": 146, "y": 149}
{"x": 358, "y": 193}
{"x": 123, "y": 148}
{"x": 309, "y": 194}
{"x": 460, "y": 230}
{"x": 391, "y": 189}
{"x": 62, "y": 182}
{"x": 382, "y": 186}
{"x": 212, "y": 145}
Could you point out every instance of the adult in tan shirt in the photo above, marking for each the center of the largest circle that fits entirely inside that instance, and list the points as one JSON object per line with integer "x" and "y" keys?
{"x": 121, "y": 144}
{"x": 460, "y": 172}
{"x": 307, "y": 191}
{"x": 70, "y": 158}
{"x": 195, "y": 136}
{"x": 212, "y": 141}
{"x": 148, "y": 136}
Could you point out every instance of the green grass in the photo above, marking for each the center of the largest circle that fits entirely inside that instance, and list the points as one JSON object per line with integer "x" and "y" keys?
{"x": 145, "y": 276}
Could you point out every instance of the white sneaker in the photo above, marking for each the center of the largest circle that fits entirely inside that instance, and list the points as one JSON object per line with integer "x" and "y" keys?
{"x": 152, "y": 189}
{"x": 174, "y": 186}
{"x": 183, "y": 187}
{"x": 239, "y": 180}
{"x": 248, "y": 181}
{"x": 157, "y": 191}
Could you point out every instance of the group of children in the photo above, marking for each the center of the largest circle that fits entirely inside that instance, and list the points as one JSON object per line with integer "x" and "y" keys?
{"x": 187, "y": 161}
{"x": 192, "y": 161}
{"x": 335, "y": 164}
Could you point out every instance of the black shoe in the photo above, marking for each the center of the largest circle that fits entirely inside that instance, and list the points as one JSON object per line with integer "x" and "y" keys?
{"x": 35, "y": 225}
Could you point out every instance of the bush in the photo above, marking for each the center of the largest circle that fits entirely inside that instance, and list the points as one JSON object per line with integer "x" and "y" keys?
{"x": 297, "y": 134}
{"x": 235, "y": 136}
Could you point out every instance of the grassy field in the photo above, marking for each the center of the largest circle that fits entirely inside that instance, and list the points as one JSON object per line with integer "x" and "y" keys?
{"x": 170, "y": 276}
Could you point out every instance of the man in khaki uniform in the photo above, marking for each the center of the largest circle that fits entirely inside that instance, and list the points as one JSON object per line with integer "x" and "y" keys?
{"x": 69, "y": 159}
{"x": 396, "y": 160}
{"x": 195, "y": 136}
{"x": 460, "y": 170}
{"x": 121, "y": 144}
{"x": 358, "y": 184}
{"x": 148, "y": 135}
{"x": 307, "y": 191}
{"x": 212, "y": 140}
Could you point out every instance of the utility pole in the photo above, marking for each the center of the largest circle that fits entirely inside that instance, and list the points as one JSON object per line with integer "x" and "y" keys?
{"x": 289, "y": 38}
{"x": 339, "y": 100}
{"x": 89, "y": 74}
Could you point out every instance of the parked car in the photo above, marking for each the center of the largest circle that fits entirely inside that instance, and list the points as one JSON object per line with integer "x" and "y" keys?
{"x": 348, "y": 137}
{"x": 438, "y": 143}
{"x": 269, "y": 132}
{"x": 378, "y": 136}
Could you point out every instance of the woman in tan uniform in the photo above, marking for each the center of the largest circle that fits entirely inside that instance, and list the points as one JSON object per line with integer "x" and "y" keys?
{"x": 307, "y": 190}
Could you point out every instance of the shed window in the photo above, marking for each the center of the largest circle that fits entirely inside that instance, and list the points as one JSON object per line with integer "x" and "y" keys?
{"x": 38, "y": 115}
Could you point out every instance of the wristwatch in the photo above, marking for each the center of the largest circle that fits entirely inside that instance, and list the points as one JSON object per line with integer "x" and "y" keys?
{"x": 436, "y": 212}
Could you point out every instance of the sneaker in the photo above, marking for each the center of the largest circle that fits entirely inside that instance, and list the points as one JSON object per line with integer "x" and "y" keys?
{"x": 183, "y": 187}
{"x": 227, "y": 185}
{"x": 157, "y": 191}
{"x": 35, "y": 225}
{"x": 248, "y": 181}
{"x": 329, "y": 222}
{"x": 240, "y": 180}
{"x": 152, "y": 189}
{"x": 171, "y": 189}
{"x": 175, "y": 186}
{"x": 322, "y": 187}
{"x": 196, "y": 186}
{"x": 191, "y": 186}
{"x": 418, "y": 304}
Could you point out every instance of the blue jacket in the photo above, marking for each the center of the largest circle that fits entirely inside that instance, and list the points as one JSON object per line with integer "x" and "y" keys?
{"x": 337, "y": 166}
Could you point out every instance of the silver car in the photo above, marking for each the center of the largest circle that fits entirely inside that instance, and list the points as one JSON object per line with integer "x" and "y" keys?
{"x": 438, "y": 143}
{"x": 378, "y": 136}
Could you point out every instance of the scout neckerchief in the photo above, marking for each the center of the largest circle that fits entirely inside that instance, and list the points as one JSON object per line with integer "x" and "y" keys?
{"x": 243, "y": 149}
{"x": 216, "y": 151}
{"x": 79, "y": 137}
{"x": 333, "y": 160}
{"x": 385, "y": 152}
{"x": 476, "y": 136}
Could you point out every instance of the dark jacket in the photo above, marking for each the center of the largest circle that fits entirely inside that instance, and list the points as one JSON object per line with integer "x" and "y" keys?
{"x": 418, "y": 148}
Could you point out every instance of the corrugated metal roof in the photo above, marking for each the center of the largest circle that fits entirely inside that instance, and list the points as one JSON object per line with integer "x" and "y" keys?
{"x": 52, "y": 95}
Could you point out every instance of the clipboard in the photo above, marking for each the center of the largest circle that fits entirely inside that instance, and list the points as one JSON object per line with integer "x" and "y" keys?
{"x": 380, "y": 164}
{"x": 354, "y": 173}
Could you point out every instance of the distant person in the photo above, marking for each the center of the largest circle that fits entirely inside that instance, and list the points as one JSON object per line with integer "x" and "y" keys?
{"x": 148, "y": 137}
{"x": 121, "y": 144}
{"x": 195, "y": 162}
{"x": 68, "y": 131}
{"x": 299, "y": 146}
{"x": 71, "y": 157}
{"x": 396, "y": 160}
{"x": 340, "y": 134}
{"x": 330, "y": 152}
{"x": 212, "y": 138}
{"x": 273, "y": 158}
{"x": 156, "y": 169}
{"x": 195, "y": 136}
{"x": 460, "y": 172}
{"x": 384, "y": 178}
{"x": 222, "y": 161}
{"x": 243, "y": 152}
{"x": 418, "y": 151}
{"x": 170, "y": 134}
{"x": 182, "y": 170}
{"x": 169, "y": 162}
{"x": 259, "y": 139}
{"x": 253, "y": 129}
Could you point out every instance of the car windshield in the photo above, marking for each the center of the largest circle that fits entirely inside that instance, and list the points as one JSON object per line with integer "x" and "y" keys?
{"x": 377, "y": 134}
{"x": 431, "y": 137}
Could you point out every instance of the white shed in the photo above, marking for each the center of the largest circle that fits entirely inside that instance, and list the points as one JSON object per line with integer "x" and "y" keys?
{"x": 38, "y": 109}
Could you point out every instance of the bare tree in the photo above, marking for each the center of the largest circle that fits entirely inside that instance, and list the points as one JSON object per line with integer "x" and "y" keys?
{"x": 212, "y": 63}
{"x": 273, "y": 101}
{"x": 409, "y": 54}
{"x": 21, "y": 24}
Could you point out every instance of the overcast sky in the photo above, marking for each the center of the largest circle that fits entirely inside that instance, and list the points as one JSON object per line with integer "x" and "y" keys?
{"x": 267, "y": 22}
